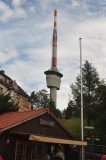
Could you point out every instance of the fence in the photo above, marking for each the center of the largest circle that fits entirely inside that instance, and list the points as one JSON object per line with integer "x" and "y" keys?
{"x": 92, "y": 152}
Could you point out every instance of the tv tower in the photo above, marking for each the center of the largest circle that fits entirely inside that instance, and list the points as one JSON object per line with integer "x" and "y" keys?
{"x": 53, "y": 76}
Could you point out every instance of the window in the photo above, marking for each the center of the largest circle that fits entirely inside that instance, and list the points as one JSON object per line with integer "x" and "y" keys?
{"x": 42, "y": 151}
{"x": 31, "y": 151}
{"x": 19, "y": 151}
{"x": 1, "y": 90}
{"x": 38, "y": 151}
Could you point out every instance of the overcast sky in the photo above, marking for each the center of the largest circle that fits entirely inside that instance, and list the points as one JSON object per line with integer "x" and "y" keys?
{"x": 26, "y": 28}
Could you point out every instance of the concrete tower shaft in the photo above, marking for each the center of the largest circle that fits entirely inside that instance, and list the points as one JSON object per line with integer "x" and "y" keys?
{"x": 53, "y": 76}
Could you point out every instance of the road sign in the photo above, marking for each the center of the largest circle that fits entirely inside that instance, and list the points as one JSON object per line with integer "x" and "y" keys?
{"x": 89, "y": 127}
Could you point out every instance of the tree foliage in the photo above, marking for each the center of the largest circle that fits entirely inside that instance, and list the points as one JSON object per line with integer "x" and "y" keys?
{"x": 68, "y": 113}
{"x": 7, "y": 105}
{"x": 42, "y": 99}
{"x": 39, "y": 99}
{"x": 91, "y": 94}
{"x": 100, "y": 120}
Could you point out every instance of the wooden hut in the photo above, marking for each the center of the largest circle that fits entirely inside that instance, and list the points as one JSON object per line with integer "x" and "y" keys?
{"x": 33, "y": 135}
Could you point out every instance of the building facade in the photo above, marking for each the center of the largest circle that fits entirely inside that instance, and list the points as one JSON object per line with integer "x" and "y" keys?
{"x": 34, "y": 135}
{"x": 18, "y": 95}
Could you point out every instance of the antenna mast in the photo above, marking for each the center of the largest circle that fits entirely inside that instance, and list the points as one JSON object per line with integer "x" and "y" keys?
{"x": 53, "y": 76}
{"x": 54, "y": 43}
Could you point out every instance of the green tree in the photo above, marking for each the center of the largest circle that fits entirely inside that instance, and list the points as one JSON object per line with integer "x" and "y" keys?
{"x": 42, "y": 99}
{"x": 91, "y": 83}
{"x": 7, "y": 105}
{"x": 100, "y": 120}
{"x": 69, "y": 111}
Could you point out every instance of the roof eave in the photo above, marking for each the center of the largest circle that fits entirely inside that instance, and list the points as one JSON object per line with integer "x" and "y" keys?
{"x": 16, "y": 124}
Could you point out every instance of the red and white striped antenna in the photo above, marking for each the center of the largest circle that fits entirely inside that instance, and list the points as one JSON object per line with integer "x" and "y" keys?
{"x": 54, "y": 43}
{"x": 55, "y": 18}
{"x": 53, "y": 76}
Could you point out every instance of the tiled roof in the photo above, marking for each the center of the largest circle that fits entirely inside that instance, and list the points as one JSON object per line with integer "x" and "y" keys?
{"x": 11, "y": 119}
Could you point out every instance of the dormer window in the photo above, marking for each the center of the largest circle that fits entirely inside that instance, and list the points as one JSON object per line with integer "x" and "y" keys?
{"x": 1, "y": 90}
{"x": 5, "y": 79}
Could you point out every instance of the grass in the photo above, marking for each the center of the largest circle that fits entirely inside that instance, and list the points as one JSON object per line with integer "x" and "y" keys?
{"x": 73, "y": 125}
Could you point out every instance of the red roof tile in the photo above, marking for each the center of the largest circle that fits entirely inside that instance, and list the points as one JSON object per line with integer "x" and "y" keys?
{"x": 10, "y": 119}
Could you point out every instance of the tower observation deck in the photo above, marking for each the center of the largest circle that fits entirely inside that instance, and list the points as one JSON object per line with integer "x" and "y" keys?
{"x": 53, "y": 76}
